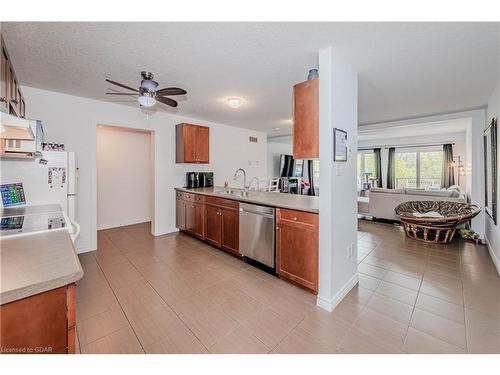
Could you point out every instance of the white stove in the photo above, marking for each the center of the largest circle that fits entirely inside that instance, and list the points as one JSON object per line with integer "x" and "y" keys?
{"x": 17, "y": 221}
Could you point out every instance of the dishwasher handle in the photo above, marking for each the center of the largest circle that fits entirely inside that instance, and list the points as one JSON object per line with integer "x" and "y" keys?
{"x": 271, "y": 216}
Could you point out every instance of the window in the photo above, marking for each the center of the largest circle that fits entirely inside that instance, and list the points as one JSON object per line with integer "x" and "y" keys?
{"x": 419, "y": 168}
{"x": 366, "y": 164}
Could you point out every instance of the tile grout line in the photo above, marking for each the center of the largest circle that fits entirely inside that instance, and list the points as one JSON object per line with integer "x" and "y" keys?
{"x": 117, "y": 300}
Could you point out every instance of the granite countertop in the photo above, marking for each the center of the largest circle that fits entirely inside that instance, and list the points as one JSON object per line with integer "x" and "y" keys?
{"x": 35, "y": 263}
{"x": 305, "y": 203}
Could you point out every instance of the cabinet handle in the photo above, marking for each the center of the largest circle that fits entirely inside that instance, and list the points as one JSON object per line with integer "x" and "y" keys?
{"x": 295, "y": 218}
{"x": 277, "y": 228}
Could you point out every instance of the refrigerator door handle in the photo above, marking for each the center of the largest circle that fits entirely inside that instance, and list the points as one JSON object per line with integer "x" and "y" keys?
{"x": 76, "y": 232}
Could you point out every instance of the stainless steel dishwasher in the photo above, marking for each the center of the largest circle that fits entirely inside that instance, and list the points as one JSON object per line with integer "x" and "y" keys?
{"x": 257, "y": 233}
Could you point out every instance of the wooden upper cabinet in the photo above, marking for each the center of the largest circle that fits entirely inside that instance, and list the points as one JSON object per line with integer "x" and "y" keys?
{"x": 202, "y": 144}
{"x": 192, "y": 143}
{"x": 4, "y": 105}
{"x": 306, "y": 120}
{"x": 297, "y": 247}
{"x": 11, "y": 96}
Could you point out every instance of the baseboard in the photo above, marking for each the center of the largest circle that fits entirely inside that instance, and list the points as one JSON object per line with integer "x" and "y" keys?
{"x": 331, "y": 304}
{"x": 493, "y": 256}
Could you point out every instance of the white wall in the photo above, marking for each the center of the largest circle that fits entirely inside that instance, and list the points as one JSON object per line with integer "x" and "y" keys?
{"x": 459, "y": 149}
{"x": 492, "y": 230}
{"x": 338, "y": 100}
{"x": 73, "y": 120}
{"x": 124, "y": 177}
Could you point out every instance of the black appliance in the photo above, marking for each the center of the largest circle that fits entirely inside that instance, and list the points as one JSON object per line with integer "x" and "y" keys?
{"x": 290, "y": 167}
{"x": 206, "y": 179}
{"x": 192, "y": 179}
{"x": 199, "y": 179}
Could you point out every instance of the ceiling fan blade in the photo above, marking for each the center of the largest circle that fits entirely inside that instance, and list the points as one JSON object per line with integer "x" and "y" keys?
{"x": 121, "y": 85}
{"x": 171, "y": 91}
{"x": 167, "y": 101}
{"x": 120, "y": 93}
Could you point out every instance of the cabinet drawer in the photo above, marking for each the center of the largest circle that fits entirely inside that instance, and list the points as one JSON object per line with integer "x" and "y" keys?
{"x": 199, "y": 198}
{"x": 227, "y": 203}
{"x": 298, "y": 217}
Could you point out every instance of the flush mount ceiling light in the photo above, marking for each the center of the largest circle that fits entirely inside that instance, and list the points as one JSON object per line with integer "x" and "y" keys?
{"x": 234, "y": 102}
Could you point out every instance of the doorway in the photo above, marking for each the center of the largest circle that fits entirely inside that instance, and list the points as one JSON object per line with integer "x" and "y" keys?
{"x": 125, "y": 182}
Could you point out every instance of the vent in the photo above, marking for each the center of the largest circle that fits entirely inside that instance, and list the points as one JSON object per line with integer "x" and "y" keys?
{"x": 253, "y": 139}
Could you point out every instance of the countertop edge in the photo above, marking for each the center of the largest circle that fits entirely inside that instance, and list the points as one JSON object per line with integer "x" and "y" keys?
{"x": 248, "y": 200}
{"x": 31, "y": 290}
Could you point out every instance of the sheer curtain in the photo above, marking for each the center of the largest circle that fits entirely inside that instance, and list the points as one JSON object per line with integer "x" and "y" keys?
{"x": 391, "y": 169}
{"x": 378, "y": 166}
{"x": 448, "y": 175}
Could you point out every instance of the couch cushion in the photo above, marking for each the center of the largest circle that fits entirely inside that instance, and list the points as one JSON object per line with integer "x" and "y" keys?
{"x": 363, "y": 204}
{"x": 434, "y": 193}
{"x": 387, "y": 191}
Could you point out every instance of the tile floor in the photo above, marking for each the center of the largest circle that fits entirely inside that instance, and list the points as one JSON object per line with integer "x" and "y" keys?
{"x": 175, "y": 294}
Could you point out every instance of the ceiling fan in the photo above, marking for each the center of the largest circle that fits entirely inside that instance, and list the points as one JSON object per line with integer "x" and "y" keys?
{"x": 147, "y": 92}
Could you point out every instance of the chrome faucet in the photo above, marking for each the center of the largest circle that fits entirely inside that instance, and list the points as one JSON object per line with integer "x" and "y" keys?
{"x": 244, "y": 178}
{"x": 252, "y": 180}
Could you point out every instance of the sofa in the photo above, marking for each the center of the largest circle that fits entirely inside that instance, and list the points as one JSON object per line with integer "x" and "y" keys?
{"x": 380, "y": 202}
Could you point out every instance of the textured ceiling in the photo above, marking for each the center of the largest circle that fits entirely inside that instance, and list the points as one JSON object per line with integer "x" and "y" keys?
{"x": 405, "y": 69}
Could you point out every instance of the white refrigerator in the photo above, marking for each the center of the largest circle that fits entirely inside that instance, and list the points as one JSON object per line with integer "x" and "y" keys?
{"x": 49, "y": 179}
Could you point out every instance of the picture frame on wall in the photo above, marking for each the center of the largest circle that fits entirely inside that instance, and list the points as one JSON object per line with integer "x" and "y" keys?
{"x": 339, "y": 145}
{"x": 490, "y": 142}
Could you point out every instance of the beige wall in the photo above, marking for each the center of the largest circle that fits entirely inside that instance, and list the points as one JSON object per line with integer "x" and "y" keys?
{"x": 124, "y": 177}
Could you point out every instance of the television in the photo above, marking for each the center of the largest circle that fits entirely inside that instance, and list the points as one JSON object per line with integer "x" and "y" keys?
{"x": 290, "y": 167}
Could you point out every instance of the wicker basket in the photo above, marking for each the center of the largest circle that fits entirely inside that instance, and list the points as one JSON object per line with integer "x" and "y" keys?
{"x": 432, "y": 229}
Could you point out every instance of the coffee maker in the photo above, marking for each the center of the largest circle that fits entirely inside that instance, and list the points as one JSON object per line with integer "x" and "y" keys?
{"x": 192, "y": 180}
{"x": 199, "y": 179}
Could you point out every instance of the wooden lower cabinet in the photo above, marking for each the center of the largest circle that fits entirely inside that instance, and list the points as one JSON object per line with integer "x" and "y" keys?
{"x": 214, "y": 220}
{"x": 297, "y": 240}
{"x": 230, "y": 233}
{"x": 43, "y": 323}
{"x": 213, "y": 225}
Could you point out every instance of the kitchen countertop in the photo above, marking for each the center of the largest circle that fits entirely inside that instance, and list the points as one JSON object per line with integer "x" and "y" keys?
{"x": 305, "y": 203}
{"x": 35, "y": 263}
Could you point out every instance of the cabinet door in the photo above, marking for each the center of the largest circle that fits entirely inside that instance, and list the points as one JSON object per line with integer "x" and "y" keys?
{"x": 213, "y": 225}
{"x": 189, "y": 143}
{"x": 4, "y": 107}
{"x": 13, "y": 93}
{"x": 190, "y": 216}
{"x": 199, "y": 220}
{"x": 230, "y": 231}
{"x": 306, "y": 120}
{"x": 202, "y": 144}
{"x": 180, "y": 214}
{"x": 297, "y": 247}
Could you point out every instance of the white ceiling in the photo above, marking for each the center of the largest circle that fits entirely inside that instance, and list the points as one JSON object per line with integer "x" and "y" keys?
{"x": 457, "y": 128}
{"x": 405, "y": 69}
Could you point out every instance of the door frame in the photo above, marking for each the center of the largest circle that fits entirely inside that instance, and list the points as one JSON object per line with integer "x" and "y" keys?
{"x": 93, "y": 150}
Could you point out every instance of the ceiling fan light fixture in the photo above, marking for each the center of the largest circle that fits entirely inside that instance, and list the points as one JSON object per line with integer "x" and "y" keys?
{"x": 234, "y": 102}
{"x": 146, "y": 100}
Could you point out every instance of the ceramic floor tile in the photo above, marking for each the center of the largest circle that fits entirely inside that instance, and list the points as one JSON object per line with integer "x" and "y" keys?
{"x": 300, "y": 341}
{"x": 439, "y": 327}
{"x": 373, "y": 271}
{"x": 211, "y": 326}
{"x": 357, "y": 342}
{"x": 239, "y": 341}
{"x": 391, "y": 307}
{"x": 269, "y": 327}
{"x": 441, "y": 307}
{"x": 122, "y": 341}
{"x": 241, "y": 307}
{"x": 403, "y": 280}
{"x": 178, "y": 340}
{"x": 421, "y": 343}
{"x": 397, "y": 292}
{"x": 101, "y": 325}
